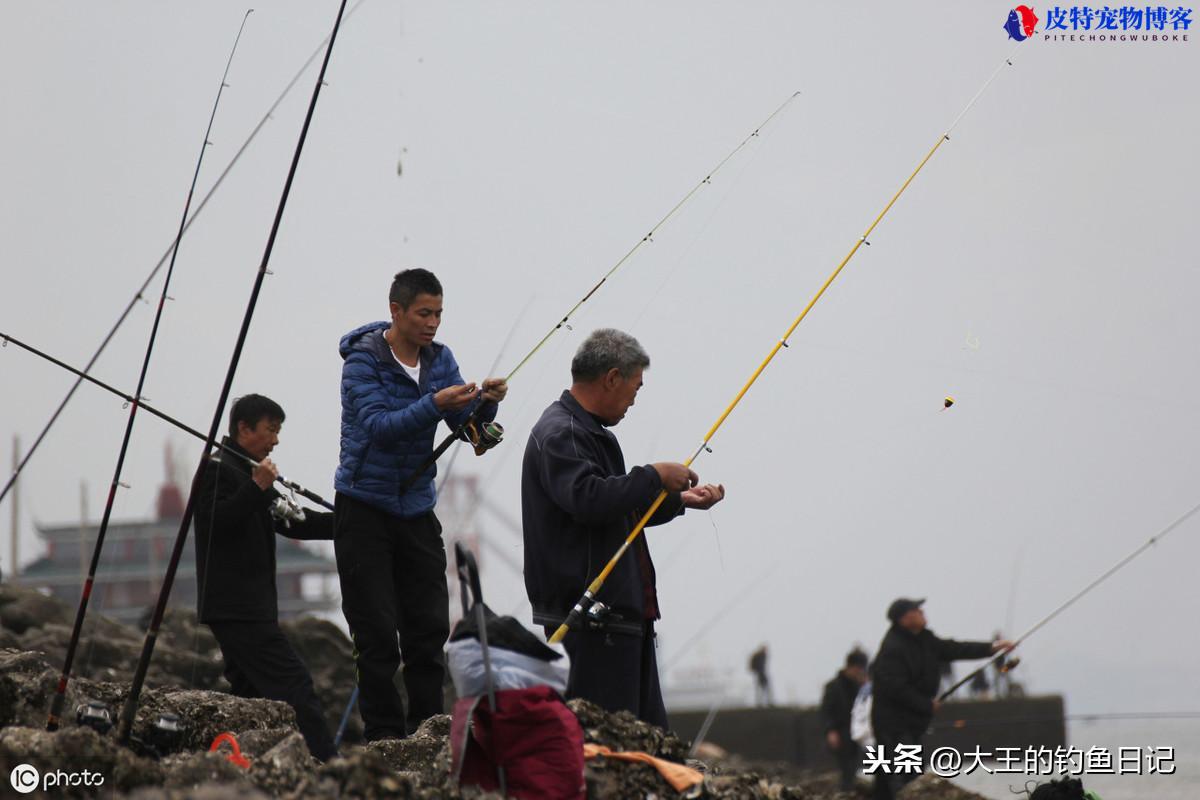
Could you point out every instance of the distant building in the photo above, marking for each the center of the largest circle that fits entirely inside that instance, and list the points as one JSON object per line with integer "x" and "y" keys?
{"x": 135, "y": 556}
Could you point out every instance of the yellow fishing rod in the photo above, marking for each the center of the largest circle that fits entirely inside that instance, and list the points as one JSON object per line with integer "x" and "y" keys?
{"x": 489, "y": 434}
{"x": 589, "y": 596}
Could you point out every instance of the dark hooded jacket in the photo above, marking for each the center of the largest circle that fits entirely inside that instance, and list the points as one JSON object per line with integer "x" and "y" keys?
{"x": 837, "y": 701}
{"x": 906, "y": 674}
{"x": 235, "y": 542}
{"x": 577, "y": 506}
{"x": 389, "y": 422}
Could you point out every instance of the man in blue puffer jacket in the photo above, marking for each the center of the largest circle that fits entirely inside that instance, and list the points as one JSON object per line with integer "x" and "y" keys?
{"x": 397, "y": 385}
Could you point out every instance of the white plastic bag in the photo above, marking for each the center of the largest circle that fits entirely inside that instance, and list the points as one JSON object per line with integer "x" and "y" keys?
{"x": 510, "y": 670}
{"x": 860, "y": 718}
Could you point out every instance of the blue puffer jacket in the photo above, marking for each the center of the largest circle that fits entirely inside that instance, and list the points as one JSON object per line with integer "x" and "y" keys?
{"x": 389, "y": 423}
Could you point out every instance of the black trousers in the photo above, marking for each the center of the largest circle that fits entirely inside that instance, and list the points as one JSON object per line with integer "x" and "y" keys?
{"x": 394, "y": 596}
{"x": 616, "y": 671}
{"x": 887, "y": 786}
{"x": 849, "y": 761}
{"x": 260, "y": 662}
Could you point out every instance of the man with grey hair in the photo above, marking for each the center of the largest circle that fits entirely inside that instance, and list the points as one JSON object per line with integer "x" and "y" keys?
{"x": 578, "y": 503}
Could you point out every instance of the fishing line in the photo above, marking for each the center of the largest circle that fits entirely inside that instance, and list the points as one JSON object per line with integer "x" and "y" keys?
{"x": 56, "y": 705}
{"x": 291, "y": 485}
{"x": 1153, "y": 540}
{"x": 565, "y": 321}
{"x": 748, "y": 591}
{"x": 1131, "y": 716}
{"x": 754, "y": 154}
{"x": 717, "y": 538}
{"x": 589, "y": 595}
{"x": 138, "y": 296}
{"x": 495, "y": 363}
{"x": 129, "y": 710}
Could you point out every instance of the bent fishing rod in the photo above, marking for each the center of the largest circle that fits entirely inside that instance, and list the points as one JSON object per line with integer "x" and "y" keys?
{"x": 56, "y": 705}
{"x": 468, "y": 426}
{"x": 149, "y": 409}
{"x": 1153, "y": 540}
{"x": 139, "y": 295}
{"x": 129, "y": 710}
{"x": 589, "y": 596}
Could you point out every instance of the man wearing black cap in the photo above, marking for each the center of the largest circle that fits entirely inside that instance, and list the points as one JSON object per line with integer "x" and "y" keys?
{"x": 905, "y": 679}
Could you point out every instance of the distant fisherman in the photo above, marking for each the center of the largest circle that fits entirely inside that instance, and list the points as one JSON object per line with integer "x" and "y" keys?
{"x": 837, "y": 700}
{"x": 906, "y": 674}
{"x": 578, "y": 503}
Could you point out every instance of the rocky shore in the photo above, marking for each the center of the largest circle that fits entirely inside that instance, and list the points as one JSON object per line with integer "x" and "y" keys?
{"x": 186, "y": 681}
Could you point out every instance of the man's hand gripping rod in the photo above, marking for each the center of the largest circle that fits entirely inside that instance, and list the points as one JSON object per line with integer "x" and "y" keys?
{"x": 281, "y": 480}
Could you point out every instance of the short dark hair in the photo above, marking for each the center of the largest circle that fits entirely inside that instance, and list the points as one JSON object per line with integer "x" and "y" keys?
{"x": 251, "y": 409}
{"x": 1064, "y": 789}
{"x": 411, "y": 282}
{"x": 605, "y": 349}
{"x": 856, "y": 658}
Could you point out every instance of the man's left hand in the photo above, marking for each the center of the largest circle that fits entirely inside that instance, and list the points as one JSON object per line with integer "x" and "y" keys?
{"x": 1002, "y": 646}
{"x": 703, "y": 497}
{"x": 495, "y": 389}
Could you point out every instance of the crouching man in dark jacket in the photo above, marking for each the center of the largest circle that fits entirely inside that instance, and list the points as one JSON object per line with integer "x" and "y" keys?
{"x": 578, "y": 503}
{"x": 235, "y": 568}
{"x": 906, "y": 674}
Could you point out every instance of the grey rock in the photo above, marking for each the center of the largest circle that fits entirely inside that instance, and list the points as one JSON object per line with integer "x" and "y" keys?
{"x": 75, "y": 750}
{"x": 425, "y": 752}
{"x": 190, "y": 770}
{"x": 284, "y": 767}
{"x": 22, "y": 609}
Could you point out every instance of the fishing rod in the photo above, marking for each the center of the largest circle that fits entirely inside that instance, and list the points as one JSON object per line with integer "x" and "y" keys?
{"x": 1132, "y": 716}
{"x": 56, "y": 705}
{"x": 163, "y": 260}
{"x": 1153, "y": 540}
{"x": 83, "y": 376}
{"x": 495, "y": 363}
{"x": 589, "y": 596}
{"x": 728, "y": 607}
{"x": 470, "y": 426}
{"x": 129, "y": 710}
{"x": 354, "y": 695}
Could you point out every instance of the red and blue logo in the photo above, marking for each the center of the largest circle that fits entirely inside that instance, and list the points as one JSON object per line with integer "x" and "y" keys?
{"x": 1021, "y": 22}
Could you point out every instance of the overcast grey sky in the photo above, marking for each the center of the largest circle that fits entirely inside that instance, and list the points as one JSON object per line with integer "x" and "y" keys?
{"x": 1041, "y": 270}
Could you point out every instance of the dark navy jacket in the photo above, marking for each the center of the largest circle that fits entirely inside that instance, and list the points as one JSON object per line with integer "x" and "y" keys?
{"x": 389, "y": 423}
{"x": 577, "y": 506}
{"x": 235, "y": 542}
{"x": 906, "y": 675}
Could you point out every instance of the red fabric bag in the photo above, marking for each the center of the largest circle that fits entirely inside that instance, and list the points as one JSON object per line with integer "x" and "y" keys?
{"x": 532, "y": 735}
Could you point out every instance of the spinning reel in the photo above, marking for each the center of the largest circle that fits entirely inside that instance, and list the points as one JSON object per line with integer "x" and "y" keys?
{"x": 483, "y": 436}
